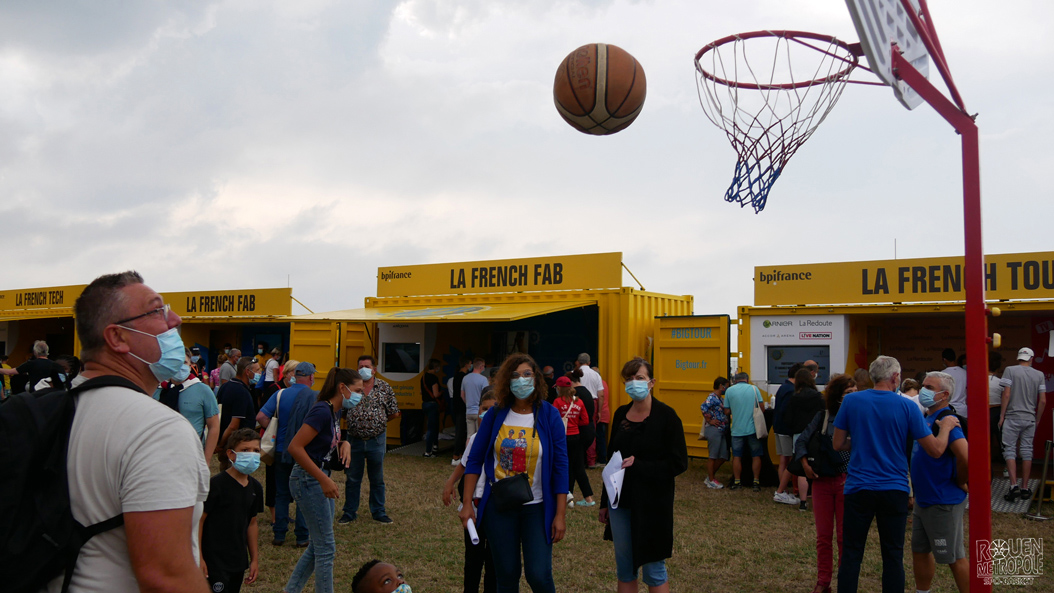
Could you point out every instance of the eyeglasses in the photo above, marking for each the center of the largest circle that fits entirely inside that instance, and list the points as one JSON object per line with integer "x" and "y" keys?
{"x": 162, "y": 311}
{"x": 525, "y": 375}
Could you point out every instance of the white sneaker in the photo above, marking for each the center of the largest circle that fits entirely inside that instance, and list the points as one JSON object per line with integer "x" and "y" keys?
{"x": 785, "y": 498}
{"x": 455, "y": 461}
{"x": 713, "y": 484}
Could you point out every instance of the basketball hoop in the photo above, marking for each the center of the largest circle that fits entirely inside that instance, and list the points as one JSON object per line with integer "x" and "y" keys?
{"x": 768, "y": 96}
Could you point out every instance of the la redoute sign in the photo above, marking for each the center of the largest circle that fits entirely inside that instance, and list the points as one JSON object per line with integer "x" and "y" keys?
{"x": 799, "y": 330}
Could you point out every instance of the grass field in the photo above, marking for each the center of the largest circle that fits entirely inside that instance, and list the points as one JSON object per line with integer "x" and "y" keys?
{"x": 724, "y": 541}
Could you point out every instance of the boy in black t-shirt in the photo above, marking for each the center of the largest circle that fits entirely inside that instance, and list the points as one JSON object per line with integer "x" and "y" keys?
{"x": 228, "y": 525}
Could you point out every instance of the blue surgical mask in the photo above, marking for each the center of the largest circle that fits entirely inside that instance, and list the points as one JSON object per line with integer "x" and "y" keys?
{"x": 927, "y": 397}
{"x": 62, "y": 377}
{"x": 403, "y": 588}
{"x": 195, "y": 358}
{"x": 256, "y": 378}
{"x": 172, "y": 353}
{"x": 522, "y": 387}
{"x": 246, "y": 462}
{"x": 351, "y": 402}
{"x": 366, "y": 373}
{"x": 637, "y": 390}
{"x": 182, "y": 374}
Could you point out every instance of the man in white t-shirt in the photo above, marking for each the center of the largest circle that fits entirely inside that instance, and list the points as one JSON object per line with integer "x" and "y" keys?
{"x": 130, "y": 455}
{"x": 590, "y": 379}
{"x": 959, "y": 376}
{"x": 271, "y": 367}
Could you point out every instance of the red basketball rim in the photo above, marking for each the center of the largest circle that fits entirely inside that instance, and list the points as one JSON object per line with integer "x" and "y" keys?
{"x": 852, "y": 61}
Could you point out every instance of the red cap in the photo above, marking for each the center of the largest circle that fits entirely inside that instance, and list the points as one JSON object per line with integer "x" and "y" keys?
{"x": 563, "y": 382}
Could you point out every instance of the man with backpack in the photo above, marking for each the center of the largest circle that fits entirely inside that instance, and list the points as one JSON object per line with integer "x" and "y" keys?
{"x": 187, "y": 395}
{"x": 940, "y": 493}
{"x": 134, "y": 469}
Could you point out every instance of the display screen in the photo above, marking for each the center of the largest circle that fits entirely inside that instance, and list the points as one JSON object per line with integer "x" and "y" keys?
{"x": 401, "y": 357}
{"x": 781, "y": 358}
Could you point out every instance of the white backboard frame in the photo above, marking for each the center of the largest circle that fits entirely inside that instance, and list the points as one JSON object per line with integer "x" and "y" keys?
{"x": 879, "y": 23}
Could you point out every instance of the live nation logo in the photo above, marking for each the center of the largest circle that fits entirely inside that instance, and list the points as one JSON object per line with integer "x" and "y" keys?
{"x": 1009, "y": 561}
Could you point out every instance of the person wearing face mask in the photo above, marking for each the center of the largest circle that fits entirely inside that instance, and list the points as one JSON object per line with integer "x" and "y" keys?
{"x": 126, "y": 452}
{"x": 368, "y": 434}
{"x": 195, "y": 402}
{"x": 521, "y": 440}
{"x": 228, "y": 526}
{"x": 880, "y": 422}
{"x": 239, "y": 411}
{"x": 940, "y": 493}
{"x": 318, "y": 448}
{"x": 279, "y": 408}
{"x": 649, "y": 436}
{"x": 229, "y": 369}
{"x": 379, "y": 577}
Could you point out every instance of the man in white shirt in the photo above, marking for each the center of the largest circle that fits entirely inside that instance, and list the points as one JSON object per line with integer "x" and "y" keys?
{"x": 590, "y": 378}
{"x": 959, "y": 376}
{"x": 129, "y": 455}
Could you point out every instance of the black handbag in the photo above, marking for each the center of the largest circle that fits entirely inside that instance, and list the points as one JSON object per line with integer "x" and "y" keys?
{"x": 509, "y": 494}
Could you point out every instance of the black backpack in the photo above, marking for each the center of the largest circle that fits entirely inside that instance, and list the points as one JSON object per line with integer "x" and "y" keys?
{"x": 39, "y": 538}
{"x": 823, "y": 459}
{"x": 949, "y": 411}
{"x": 170, "y": 396}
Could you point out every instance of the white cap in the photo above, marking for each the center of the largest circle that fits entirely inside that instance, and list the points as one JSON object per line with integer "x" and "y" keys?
{"x": 1025, "y": 354}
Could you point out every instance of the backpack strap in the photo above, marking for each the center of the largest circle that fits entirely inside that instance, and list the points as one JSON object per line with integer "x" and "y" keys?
{"x": 106, "y": 381}
{"x": 86, "y": 533}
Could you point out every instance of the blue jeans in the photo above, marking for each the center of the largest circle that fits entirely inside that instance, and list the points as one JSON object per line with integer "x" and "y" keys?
{"x": 509, "y": 531}
{"x": 890, "y": 508}
{"x": 368, "y": 455}
{"x": 621, "y": 533}
{"x": 282, "y": 499}
{"x": 318, "y": 514}
{"x": 431, "y": 410}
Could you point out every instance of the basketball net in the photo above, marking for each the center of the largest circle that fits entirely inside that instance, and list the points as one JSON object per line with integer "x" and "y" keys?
{"x": 768, "y": 91}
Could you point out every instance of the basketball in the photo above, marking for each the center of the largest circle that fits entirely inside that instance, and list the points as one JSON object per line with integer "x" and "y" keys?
{"x": 599, "y": 89}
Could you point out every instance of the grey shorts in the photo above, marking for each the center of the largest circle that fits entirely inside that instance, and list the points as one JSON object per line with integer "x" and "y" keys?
{"x": 784, "y": 445}
{"x": 716, "y": 447}
{"x": 939, "y": 529}
{"x": 1018, "y": 431}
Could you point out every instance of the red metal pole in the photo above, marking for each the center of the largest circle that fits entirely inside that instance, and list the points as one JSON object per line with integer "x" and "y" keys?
{"x": 976, "y": 321}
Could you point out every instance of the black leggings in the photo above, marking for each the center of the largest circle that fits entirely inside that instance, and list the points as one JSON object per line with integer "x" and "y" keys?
{"x": 477, "y": 557}
{"x": 576, "y": 454}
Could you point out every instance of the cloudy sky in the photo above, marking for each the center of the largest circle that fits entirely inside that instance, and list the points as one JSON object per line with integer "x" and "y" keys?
{"x": 245, "y": 143}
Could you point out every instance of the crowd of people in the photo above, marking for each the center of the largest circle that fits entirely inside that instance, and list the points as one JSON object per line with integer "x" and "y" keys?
{"x": 529, "y": 438}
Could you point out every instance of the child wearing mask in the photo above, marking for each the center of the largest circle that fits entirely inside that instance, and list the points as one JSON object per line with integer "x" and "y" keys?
{"x": 477, "y": 556}
{"x": 228, "y": 524}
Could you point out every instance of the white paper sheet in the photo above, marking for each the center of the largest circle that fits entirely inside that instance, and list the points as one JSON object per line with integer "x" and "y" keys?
{"x": 472, "y": 535}
{"x": 613, "y": 475}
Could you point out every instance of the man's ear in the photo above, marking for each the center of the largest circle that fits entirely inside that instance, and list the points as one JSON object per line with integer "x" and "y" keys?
{"x": 115, "y": 339}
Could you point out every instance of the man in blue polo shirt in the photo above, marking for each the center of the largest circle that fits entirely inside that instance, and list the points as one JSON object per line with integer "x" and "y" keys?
{"x": 876, "y": 425}
{"x": 940, "y": 494}
{"x": 296, "y": 400}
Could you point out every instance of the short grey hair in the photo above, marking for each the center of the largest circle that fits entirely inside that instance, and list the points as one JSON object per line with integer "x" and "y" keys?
{"x": 947, "y": 381}
{"x": 234, "y": 352}
{"x": 740, "y": 377}
{"x": 583, "y": 358}
{"x": 40, "y": 349}
{"x": 101, "y": 303}
{"x": 883, "y": 369}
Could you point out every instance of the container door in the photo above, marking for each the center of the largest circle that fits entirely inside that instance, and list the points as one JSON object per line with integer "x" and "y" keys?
{"x": 316, "y": 342}
{"x": 690, "y": 352}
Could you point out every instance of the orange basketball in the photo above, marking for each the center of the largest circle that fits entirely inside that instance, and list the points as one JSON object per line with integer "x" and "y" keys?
{"x": 599, "y": 89}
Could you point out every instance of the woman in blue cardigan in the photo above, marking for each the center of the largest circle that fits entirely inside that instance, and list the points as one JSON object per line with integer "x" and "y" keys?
{"x": 522, "y": 434}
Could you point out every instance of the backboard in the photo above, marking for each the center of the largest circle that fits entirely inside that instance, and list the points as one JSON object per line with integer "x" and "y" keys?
{"x": 879, "y": 23}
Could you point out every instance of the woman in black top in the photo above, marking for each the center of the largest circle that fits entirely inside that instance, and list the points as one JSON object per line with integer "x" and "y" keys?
{"x": 650, "y": 438}
{"x": 801, "y": 409}
{"x": 588, "y": 433}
